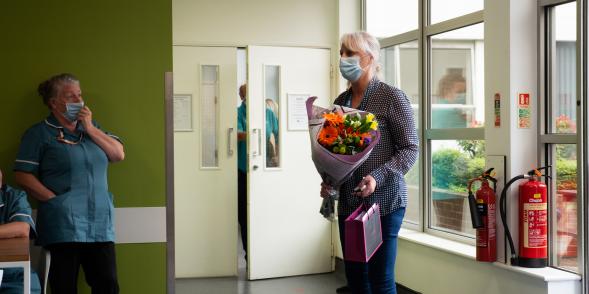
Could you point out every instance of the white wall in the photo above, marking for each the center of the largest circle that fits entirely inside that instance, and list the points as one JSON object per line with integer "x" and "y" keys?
{"x": 431, "y": 271}
{"x": 255, "y": 22}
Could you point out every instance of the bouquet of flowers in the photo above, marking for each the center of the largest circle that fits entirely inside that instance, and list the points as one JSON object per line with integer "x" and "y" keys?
{"x": 341, "y": 140}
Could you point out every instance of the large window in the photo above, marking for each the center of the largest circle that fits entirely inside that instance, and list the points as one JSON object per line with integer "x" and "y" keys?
{"x": 559, "y": 134}
{"x": 456, "y": 103}
{"x": 442, "y": 73}
{"x": 442, "y": 10}
{"x": 380, "y": 13}
{"x": 401, "y": 69}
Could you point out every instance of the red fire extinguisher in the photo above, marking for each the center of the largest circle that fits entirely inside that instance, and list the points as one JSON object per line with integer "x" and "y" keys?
{"x": 533, "y": 220}
{"x": 482, "y": 212}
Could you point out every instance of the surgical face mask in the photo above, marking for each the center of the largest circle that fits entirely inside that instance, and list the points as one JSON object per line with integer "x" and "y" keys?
{"x": 72, "y": 110}
{"x": 461, "y": 98}
{"x": 350, "y": 68}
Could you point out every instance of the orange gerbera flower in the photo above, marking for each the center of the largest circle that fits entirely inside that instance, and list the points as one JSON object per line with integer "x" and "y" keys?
{"x": 327, "y": 136}
{"x": 333, "y": 118}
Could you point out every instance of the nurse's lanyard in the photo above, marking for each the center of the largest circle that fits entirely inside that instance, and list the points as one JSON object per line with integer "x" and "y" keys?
{"x": 62, "y": 139}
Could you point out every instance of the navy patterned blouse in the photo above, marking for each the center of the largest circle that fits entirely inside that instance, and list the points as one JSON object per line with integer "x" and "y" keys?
{"x": 392, "y": 157}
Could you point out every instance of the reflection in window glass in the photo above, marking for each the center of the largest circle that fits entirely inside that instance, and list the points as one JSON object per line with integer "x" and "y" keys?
{"x": 385, "y": 18}
{"x": 565, "y": 69}
{"x": 453, "y": 162}
{"x": 566, "y": 206}
{"x": 457, "y": 83}
{"x": 209, "y": 118}
{"x": 272, "y": 114}
{"x": 400, "y": 69}
{"x": 446, "y": 9}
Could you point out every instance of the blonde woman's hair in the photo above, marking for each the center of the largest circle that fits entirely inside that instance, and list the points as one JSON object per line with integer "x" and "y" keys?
{"x": 365, "y": 43}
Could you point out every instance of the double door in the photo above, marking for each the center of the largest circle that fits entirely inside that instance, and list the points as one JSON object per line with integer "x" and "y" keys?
{"x": 286, "y": 234}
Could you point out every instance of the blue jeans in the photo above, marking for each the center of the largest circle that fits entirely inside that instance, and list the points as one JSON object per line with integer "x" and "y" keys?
{"x": 378, "y": 275}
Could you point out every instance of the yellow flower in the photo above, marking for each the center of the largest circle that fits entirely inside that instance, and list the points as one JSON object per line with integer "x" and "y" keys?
{"x": 374, "y": 125}
{"x": 369, "y": 117}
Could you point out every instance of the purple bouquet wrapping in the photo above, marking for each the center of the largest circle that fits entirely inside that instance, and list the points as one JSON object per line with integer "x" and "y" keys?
{"x": 336, "y": 164}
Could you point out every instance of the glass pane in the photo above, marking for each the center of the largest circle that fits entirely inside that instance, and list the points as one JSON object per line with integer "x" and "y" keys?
{"x": 446, "y": 9}
{"x": 566, "y": 206}
{"x": 413, "y": 194}
{"x": 400, "y": 69}
{"x": 457, "y": 75}
{"x": 209, "y": 116}
{"x": 385, "y": 18}
{"x": 453, "y": 162}
{"x": 565, "y": 70}
{"x": 272, "y": 102}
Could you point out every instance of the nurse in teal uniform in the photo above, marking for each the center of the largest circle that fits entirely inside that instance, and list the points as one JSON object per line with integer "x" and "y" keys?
{"x": 15, "y": 222}
{"x": 62, "y": 162}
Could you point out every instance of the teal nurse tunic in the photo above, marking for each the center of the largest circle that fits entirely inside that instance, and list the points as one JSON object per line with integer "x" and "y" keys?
{"x": 82, "y": 210}
{"x": 14, "y": 207}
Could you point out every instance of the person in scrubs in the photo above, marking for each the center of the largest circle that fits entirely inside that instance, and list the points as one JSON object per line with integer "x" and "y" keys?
{"x": 62, "y": 162}
{"x": 272, "y": 129}
{"x": 15, "y": 222}
{"x": 451, "y": 92}
{"x": 242, "y": 166}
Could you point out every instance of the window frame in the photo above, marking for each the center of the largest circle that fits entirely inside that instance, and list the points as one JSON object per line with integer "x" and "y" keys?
{"x": 423, "y": 35}
{"x": 547, "y": 139}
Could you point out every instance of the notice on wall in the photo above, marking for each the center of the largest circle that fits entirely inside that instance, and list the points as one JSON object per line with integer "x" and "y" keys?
{"x": 183, "y": 113}
{"x": 497, "y": 111}
{"x": 297, "y": 112}
{"x": 524, "y": 111}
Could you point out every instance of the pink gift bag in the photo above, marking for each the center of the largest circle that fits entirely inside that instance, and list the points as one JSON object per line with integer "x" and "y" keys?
{"x": 363, "y": 234}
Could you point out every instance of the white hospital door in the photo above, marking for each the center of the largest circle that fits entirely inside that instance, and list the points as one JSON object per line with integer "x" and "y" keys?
{"x": 205, "y": 161}
{"x": 287, "y": 235}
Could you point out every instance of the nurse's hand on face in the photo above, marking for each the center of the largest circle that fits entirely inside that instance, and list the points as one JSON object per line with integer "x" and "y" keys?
{"x": 85, "y": 117}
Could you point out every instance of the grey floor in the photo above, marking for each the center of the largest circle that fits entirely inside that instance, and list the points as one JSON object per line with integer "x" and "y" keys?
{"x": 310, "y": 284}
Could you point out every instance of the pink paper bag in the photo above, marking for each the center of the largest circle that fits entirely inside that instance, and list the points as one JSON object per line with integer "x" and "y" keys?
{"x": 363, "y": 234}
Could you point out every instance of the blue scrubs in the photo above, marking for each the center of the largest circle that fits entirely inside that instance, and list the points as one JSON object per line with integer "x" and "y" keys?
{"x": 271, "y": 124}
{"x": 82, "y": 210}
{"x": 241, "y": 145}
{"x": 14, "y": 207}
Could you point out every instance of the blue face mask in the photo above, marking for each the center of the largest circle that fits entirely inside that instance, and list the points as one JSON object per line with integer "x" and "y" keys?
{"x": 72, "y": 110}
{"x": 350, "y": 68}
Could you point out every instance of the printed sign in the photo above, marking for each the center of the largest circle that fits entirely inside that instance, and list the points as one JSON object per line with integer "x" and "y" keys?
{"x": 297, "y": 112}
{"x": 524, "y": 112}
{"x": 497, "y": 110}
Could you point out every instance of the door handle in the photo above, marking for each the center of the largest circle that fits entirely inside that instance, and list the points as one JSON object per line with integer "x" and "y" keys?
{"x": 258, "y": 149}
{"x": 229, "y": 137}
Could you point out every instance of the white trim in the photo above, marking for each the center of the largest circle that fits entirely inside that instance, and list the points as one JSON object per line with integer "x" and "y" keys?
{"x": 140, "y": 225}
{"x": 2, "y": 205}
{"x": 53, "y": 125}
{"x": 27, "y": 161}
{"x": 21, "y": 214}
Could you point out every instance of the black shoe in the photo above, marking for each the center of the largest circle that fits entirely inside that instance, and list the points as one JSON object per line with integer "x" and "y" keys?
{"x": 344, "y": 289}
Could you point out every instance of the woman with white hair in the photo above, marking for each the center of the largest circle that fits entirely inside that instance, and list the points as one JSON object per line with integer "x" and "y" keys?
{"x": 380, "y": 178}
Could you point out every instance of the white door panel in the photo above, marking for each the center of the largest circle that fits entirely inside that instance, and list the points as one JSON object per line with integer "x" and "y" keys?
{"x": 287, "y": 234}
{"x": 206, "y": 182}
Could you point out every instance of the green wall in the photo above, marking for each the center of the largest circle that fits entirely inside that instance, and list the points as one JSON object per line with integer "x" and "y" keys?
{"x": 120, "y": 51}
{"x": 139, "y": 277}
